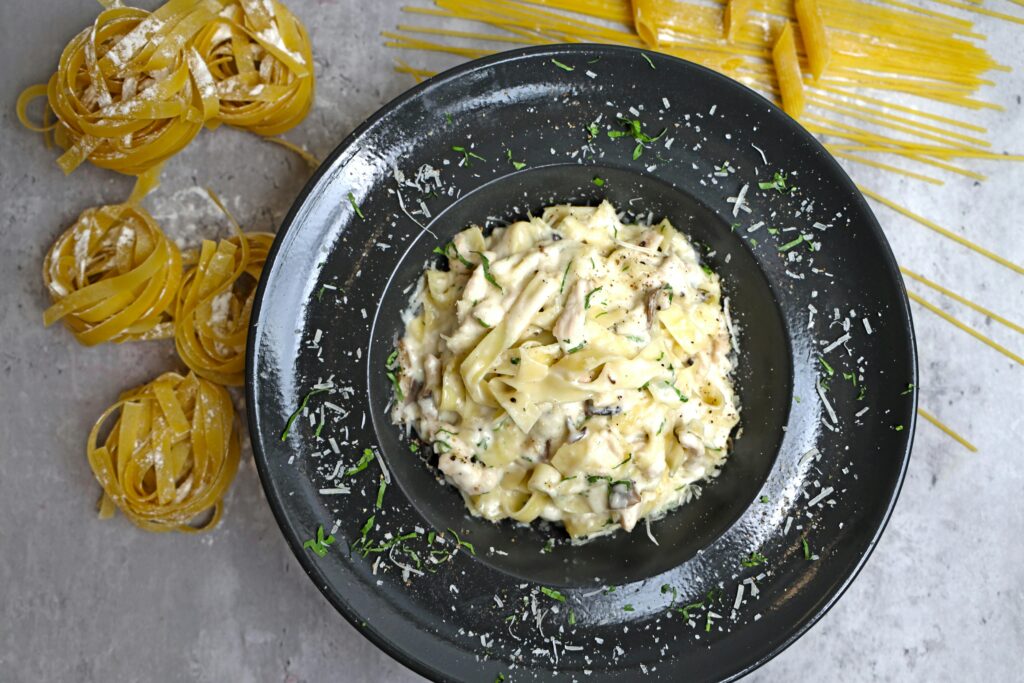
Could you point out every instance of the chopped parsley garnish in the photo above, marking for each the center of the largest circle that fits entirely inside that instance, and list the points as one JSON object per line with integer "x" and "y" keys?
{"x": 754, "y": 560}
{"x": 518, "y": 165}
{"x": 593, "y": 130}
{"x": 549, "y": 545}
{"x": 294, "y": 416}
{"x": 467, "y": 154}
{"x": 648, "y": 59}
{"x": 634, "y": 129}
{"x": 685, "y": 610}
{"x": 572, "y": 618}
{"x": 666, "y": 588}
{"x": 682, "y": 397}
{"x": 594, "y": 478}
{"x": 380, "y": 492}
{"x": 707, "y": 269}
{"x": 394, "y": 383}
{"x": 355, "y": 207}
{"x": 390, "y": 361}
{"x": 586, "y": 299}
{"x": 482, "y": 323}
{"x": 462, "y": 544}
{"x": 660, "y": 428}
{"x": 764, "y": 499}
{"x": 319, "y": 544}
{"x": 414, "y": 447}
{"x": 598, "y": 180}
{"x": 628, "y": 608}
{"x": 564, "y": 67}
{"x": 628, "y": 458}
{"x": 514, "y": 361}
{"x": 367, "y": 527}
{"x": 363, "y": 463}
{"x": 575, "y": 349}
{"x": 863, "y": 392}
{"x": 486, "y": 263}
{"x": 850, "y": 377}
{"x": 500, "y": 678}
{"x": 777, "y": 183}
{"x": 789, "y": 245}
{"x": 565, "y": 276}
{"x": 449, "y": 249}
{"x": 707, "y": 623}
{"x": 828, "y": 368}
{"x": 431, "y": 536}
{"x": 898, "y": 428}
{"x": 634, "y": 338}
{"x": 910, "y": 387}
{"x": 552, "y": 593}
{"x": 807, "y": 547}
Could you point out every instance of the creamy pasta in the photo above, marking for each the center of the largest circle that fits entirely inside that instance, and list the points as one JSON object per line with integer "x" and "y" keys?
{"x": 570, "y": 368}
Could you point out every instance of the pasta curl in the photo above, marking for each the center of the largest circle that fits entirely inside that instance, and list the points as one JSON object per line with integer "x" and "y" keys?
{"x": 262, "y": 63}
{"x": 136, "y": 87}
{"x": 113, "y": 276}
{"x": 213, "y": 307}
{"x": 171, "y": 453}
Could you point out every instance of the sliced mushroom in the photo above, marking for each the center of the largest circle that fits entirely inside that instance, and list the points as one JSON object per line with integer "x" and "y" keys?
{"x": 574, "y": 434}
{"x": 656, "y": 299}
{"x": 604, "y": 411}
{"x": 622, "y": 495}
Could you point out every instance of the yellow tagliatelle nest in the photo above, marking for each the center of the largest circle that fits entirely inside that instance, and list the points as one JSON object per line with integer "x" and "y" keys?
{"x": 212, "y": 315}
{"x": 136, "y": 87}
{"x": 170, "y": 455}
{"x": 113, "y": 276}
{"x": 264, "y": 85}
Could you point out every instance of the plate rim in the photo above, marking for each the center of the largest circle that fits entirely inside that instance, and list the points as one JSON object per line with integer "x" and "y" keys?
{"x": 902, "y": 302}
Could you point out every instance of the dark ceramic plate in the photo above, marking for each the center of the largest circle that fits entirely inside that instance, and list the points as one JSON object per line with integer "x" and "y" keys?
{"x": 827, "y": 358}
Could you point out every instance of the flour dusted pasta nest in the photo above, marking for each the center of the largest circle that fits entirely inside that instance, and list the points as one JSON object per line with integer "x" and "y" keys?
{"x": 170, "y": 454}
{"x": 113, "y": 276}
{"x": 570, "y": 368}
{"x": 211, "y": 320}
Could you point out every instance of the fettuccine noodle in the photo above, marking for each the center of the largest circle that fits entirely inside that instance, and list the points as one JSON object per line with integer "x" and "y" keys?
{"x": 113, "y": 276}
{"x": 263, "y": 85}
{"x": 170, "y": 455}
{"x": 212, "y": 314}
{"x": 136, "y": 87}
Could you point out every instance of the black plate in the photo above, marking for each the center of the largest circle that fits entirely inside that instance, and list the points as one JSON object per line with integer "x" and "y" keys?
{"x": 816, "y": 269}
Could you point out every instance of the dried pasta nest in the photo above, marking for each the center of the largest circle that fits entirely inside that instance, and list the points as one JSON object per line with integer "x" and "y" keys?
{"x": 216, "y": 297}
{"x": 170, "y": 455}
{"x": 263, "y": 85}
{"x": 136, "y": 87}
{"x": 113, "y": 276}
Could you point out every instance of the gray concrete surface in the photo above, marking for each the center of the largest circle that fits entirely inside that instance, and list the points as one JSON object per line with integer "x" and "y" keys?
{"x": 85, "y": 600}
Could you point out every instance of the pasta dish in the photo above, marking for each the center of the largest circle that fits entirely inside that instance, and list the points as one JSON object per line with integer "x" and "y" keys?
{"x": 570, "y": 368}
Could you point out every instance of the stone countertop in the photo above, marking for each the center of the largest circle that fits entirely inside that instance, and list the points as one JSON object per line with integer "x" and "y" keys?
{"x": 941, "y": 598}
